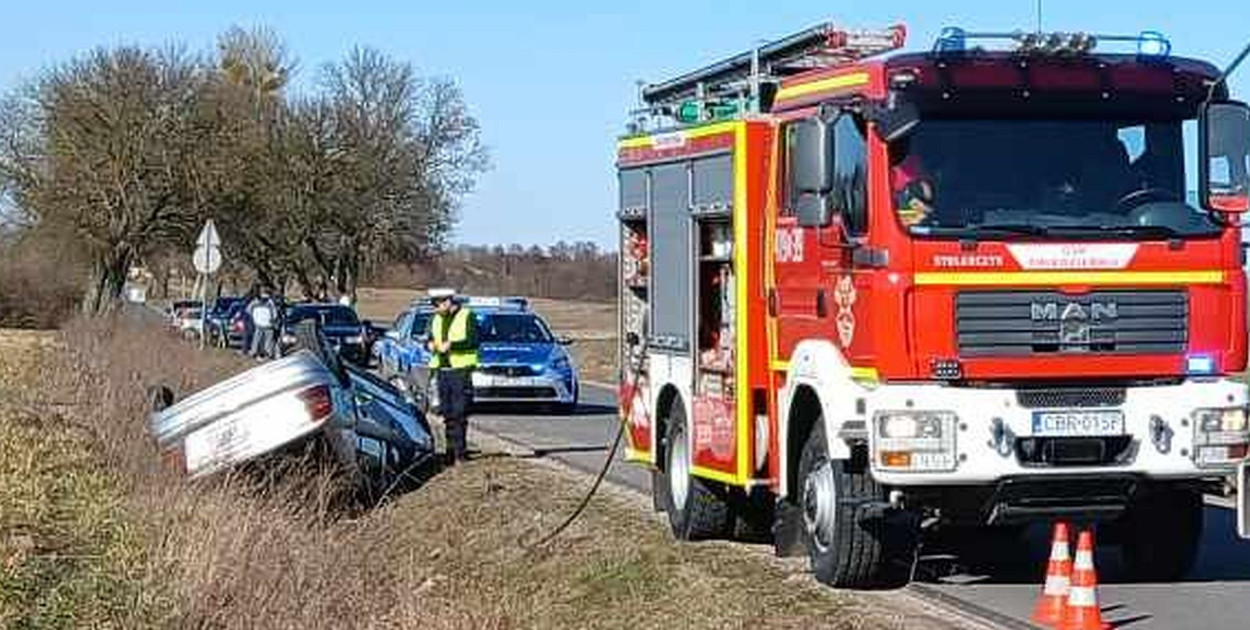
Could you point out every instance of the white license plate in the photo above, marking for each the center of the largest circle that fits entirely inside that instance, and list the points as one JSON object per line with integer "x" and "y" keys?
{"x": 491, "y": 380}
{"x": 1077, "y": 423}
{"x": 212, "y": 443}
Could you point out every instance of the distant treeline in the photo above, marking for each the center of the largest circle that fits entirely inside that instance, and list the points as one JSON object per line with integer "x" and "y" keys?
{"x": 569, "y": 271}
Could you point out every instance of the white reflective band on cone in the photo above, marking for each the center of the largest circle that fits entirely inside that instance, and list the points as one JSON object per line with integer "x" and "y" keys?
{"x": 1084, "y": 560}
{"x": 1082, "y": 597}
{"x": 1057, "y": 585}
{"x": 1059, "y": 551}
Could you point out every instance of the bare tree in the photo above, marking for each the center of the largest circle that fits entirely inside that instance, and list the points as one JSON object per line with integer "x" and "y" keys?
{"x": 115, "y": 141}
{"x": 129, "y": 150}
{"x": 407, "y": 151}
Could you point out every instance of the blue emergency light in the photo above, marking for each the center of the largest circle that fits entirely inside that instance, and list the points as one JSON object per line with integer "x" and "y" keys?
{"x": 1150, "y": 44}
{"x": 1199, "y": 364}
{"x": 1153, "y": 44}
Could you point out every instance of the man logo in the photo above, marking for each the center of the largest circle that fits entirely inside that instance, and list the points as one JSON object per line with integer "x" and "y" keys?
{"x": 1094, "y": 311}
{"x": 1075, "y": 319}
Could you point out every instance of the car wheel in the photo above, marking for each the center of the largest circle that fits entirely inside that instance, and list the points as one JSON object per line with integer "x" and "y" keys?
{"x": 847, "y": 547}
{"x": 697, "y": 508}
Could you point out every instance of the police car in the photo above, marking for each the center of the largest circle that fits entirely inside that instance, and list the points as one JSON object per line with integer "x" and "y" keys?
{"x": 521, "y": 361}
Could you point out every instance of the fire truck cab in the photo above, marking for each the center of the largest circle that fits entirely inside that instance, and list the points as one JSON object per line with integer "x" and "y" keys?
{"x": 864, "y": 290}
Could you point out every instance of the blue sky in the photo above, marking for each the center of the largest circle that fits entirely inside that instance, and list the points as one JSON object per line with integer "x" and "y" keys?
{"x": 551, "y": 81}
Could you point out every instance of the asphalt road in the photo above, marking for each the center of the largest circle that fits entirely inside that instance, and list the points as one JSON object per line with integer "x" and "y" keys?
{"x": 1215, "y": 596}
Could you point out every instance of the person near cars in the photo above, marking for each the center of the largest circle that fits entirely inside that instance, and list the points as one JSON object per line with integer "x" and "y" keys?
{"x": 264, "y": 314}
{"x": 453, "y": 345}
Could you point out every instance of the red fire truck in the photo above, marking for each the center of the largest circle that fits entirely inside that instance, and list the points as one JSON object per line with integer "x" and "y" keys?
{"x": 867, "y": 292}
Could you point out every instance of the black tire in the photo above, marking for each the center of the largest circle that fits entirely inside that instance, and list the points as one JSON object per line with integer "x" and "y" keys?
{"x": 1161, "y": 533}
{"x": 704, "y": 513}
{"x": 160, "y": 398}
{"x": 847, "y": 547}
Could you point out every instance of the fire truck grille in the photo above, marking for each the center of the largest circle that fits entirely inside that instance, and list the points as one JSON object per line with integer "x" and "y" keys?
{"x": 1068, "y": 398}
{"x": 1024, "y": 323}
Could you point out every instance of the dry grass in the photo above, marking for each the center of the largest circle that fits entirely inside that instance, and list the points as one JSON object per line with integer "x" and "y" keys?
{"x": 40, "y": 283}
{"x": 68, "y": 557}
{"x": 227, "y": 555}
{"x": 592, "y": 325}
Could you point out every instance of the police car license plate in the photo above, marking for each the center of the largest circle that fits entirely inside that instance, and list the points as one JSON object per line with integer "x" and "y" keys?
{"x": 492, "y": 380}
{"x": 1077, "y": 423}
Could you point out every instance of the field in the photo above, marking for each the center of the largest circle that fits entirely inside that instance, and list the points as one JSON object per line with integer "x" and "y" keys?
{"x": 94, "y": 533}
{"x": 591, "y": 325}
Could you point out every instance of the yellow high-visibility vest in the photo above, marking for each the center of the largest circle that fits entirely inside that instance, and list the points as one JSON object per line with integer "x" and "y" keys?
{"x": 458, "y": 331}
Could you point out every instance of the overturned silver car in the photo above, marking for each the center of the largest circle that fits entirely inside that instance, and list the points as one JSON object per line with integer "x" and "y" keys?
{"x": 308, "y": 398}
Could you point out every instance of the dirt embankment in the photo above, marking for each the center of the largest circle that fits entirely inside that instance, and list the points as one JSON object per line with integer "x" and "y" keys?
{"x": 95, "y": 533}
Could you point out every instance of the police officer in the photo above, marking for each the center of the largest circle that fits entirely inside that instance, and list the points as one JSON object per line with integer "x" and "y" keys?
{"x": 453, "y": 350}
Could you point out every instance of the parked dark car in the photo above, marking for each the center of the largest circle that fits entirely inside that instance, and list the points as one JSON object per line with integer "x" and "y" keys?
{"x": 217, "y": 322}
{"x": 342, "y": 328}
{"x": 239, "y": 329}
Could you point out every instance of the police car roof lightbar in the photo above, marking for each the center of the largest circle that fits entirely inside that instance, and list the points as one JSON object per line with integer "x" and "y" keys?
{"x": 496, "y": 302}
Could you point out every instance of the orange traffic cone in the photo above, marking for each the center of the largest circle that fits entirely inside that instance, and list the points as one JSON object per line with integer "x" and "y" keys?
{"x": 1082, "y": 612}
{"x": 1049, "y": 609}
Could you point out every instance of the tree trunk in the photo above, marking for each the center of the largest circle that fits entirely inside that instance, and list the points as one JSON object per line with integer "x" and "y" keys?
{"x": 106, "y": 283}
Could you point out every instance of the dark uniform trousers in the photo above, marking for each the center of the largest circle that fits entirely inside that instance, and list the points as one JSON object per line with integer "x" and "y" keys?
{"x": 455, "y": 394}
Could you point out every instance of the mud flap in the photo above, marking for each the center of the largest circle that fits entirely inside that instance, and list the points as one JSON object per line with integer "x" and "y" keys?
{"x": 1243, "y": 500}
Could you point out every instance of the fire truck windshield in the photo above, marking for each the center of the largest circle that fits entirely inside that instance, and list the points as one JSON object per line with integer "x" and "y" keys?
{"x": 1062, "y": 178}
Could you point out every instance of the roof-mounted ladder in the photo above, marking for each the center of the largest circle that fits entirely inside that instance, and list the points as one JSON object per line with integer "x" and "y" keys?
{"x": 736, "y": 84}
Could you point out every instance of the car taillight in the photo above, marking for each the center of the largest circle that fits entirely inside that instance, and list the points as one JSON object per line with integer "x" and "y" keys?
{"x": 318, "y": 402}
{"x": 175, "y": 460}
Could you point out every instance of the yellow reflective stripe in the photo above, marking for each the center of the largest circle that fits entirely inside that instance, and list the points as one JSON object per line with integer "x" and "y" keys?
{"x": 832, "y": 83}
{"x": 959, "y": 278}
{"x": 742, "y": 269}
{"x": 715, "y": 129}
{"x": 865, "y": 374}
{"x": 716, "y": 475}
{"x": 632, "y": 455}
{"x": 781, "y": 366}
{"x": 634, "y": 143}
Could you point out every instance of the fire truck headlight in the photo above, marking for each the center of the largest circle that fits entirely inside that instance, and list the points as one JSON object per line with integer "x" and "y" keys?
{"x": 1220, "y": 435}
{"x": 915, "y": 440}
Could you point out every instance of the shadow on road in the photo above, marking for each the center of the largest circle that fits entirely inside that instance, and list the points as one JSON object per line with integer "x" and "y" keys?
{"x": 561, "y": 450}
{"x": 542, "y": 410}
{"x": 1005, "y": 558}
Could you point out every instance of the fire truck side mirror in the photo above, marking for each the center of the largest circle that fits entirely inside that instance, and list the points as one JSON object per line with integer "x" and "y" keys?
{"x": 896, "y": 121}
{"x": 809, "y": 149}
{"x": 810, "y": 152}
{"x": 1224, "y": 171}
{"x": 812, "y": 210}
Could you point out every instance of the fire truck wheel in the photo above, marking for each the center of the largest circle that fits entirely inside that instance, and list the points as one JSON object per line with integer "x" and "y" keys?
{"x": 1161, "y": 533}
{"x": 697, "y": 509}
{"x": 847, "y": 548}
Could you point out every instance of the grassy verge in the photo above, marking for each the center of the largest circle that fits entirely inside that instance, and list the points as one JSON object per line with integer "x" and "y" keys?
{"x": 137, "y": 546}
{"x": 69, "y": 555}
